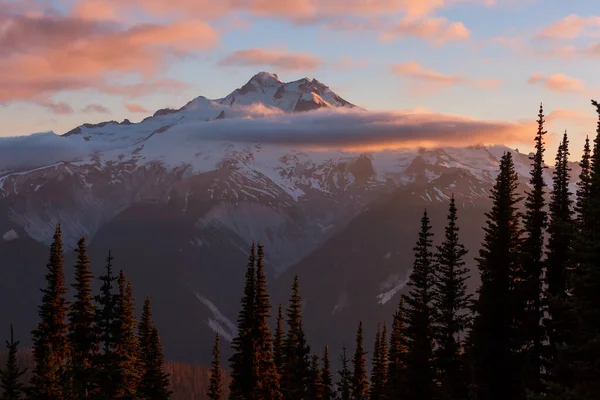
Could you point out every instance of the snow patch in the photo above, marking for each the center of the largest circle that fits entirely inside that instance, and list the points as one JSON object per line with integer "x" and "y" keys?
{"x": 10, "y": 235}
{"x": 220, "y": 324}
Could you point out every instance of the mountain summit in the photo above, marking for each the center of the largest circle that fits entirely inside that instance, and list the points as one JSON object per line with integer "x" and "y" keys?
{"x": 302, "y": 95}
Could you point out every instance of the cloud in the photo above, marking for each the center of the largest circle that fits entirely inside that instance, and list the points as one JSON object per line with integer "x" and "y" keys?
{"x": 279, "y": 59}
{"x": 558, "y": 82}
{"x": 580, "y": 118}
{"x": 346, "y": 62}
{"x": 96, "y": 108}
{"x": 136, "y": 108}
{"x": 57, "y": 108}
{"x": 571, "y": 27}
{"x": 431, "y": 81}
{"x": 45, "y": 54}
{"x": 350, "y": 129}
{"x": 288, "y": 9}
{"x": 435, "y": 29}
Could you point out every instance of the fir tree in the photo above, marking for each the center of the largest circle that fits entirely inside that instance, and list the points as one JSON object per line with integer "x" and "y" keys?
{"x": 315, "y": 386}
{"x": 215, "y": 387}
{"x": 583, "y": 185}
{"x": 451, "y": 302}
{"x": 344, "y": 385}
{"x": 396, "y": 358}
{"x": 12, "y": 387}
{"x": 360, "y": 381}
{"x": 82, "y": 332}
{"x": 295, "y": 350}
{"x": 242, "y": 362}
{"x": 529, "y": 289}
{"x": 420, "y": 368}
{"x": 326, "y": 378}
{"x": 154, "y": 383}
{"x": 560, "y": 259}
{"x": 581, "y": 353}
{"x": 127, "y": 374}
{"x": 267, "y": 378}
{"x": 50, "y": 340}
{"x": 379, "y": 364}
{"x": 106, "y": 326}
{"x": 493, "y": 335}
{"x": 278, "y": 342}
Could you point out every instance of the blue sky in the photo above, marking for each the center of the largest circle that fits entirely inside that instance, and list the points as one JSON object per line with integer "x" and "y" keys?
{"x": 510, "y": 59}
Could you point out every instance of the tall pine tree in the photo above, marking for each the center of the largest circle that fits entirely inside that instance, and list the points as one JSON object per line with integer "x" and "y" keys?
{"x": 242, "y": 362}
{"x": 106, "y": 329}
{"x": 583, "y": 185}
{"x": 344, "y": 385}
{"x": 529, "y": 289}
{"x": 560, "y": 261}
{"x": 360, "y": 380}
{"x": 396, "y": 357}
{"x": 154, "y": 382}
{"x": 583, "y": 351}
{"x": 127, "y": 374}
{"x": 278, "y": 342}
{"x": 50, "y": 338}
{"x": 315, "y": 384}
{"x": 267, "y": 377}
{"x": 379, "y": 365}
{"x": 493, "y": 335}
{"x": 326, "y": 378}
{"x": 420, "y": 367}
{"x": 82, "y": 332}
{"x": 296, "y": 351}
{"x": 451, "y": 302}
{"x": 10, "y": 375}
{"x": 215, "y": 387}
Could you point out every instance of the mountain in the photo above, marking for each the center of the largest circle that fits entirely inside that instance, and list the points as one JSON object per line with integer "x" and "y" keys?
{"x": 178, "y": 205}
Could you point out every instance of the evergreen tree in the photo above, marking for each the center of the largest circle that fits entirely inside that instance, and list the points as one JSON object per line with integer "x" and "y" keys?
{"x": 126, "y": 374}
{"x": 583, "y": 185}
{"x": 82, "y": 332}
{"x": 560, "y": 259}
{"x": 242, "y": 362}
{"x": 420, "y": 368}
{"x": 396, "y": 358}
{"x": 529, "y": 289}
{"x": 379, "y": 365}
{"x": 106, "y": 326}
{"x": 278, "y": 342}
{"x": 360, "y": 381}
{"x": 215, "y": 388}
{"x": 493, "y": 335}
{"x": 344, "y": 385}
{"x": 451, "y": 302}
{"x": 267, "y": 378}
{"x": 295, "y": 350}
{"x": 12, "y": 387}
{"x": 326, "y": 378}
{"x": 315, "y": 386}
{"x": 582, "y": 352}
{"x": 154, "y": 383}
{"x": 50, "y": 340}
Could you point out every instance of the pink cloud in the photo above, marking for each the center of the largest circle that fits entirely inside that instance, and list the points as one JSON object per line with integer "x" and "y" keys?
{"x": 580, "y": 118}
{"x": 278, "y": 59}
{"x": 571, "y": 27}
{"x": 136, "y": 108}
{"x": 438, "y": 30}
{"x": 96, "y": 108}
{"x": 431, "y": 81}
{"x": 43, "y": 55}
{"x": 558, "y": 82}
{"x": 348, "y": 63}
{"x": 57, "y": 108}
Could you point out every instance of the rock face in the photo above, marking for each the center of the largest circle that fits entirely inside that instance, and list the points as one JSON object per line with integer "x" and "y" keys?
{"x": 179, "y": 214}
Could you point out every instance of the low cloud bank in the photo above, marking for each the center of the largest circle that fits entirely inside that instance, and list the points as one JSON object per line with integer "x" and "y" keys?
{"x": 311, "y": 130}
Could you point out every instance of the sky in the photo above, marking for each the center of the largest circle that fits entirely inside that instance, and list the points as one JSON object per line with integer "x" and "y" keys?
{"x": 66, "y": 62}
